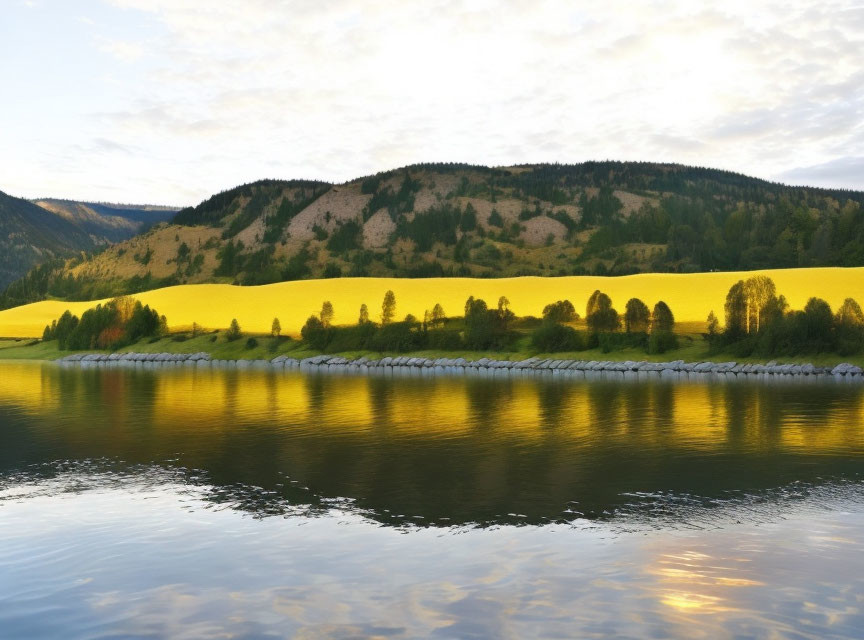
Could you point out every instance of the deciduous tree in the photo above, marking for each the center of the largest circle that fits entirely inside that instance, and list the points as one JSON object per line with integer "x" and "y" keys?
{"x": 388, "y": 308}
{"x": 636, "y": 316}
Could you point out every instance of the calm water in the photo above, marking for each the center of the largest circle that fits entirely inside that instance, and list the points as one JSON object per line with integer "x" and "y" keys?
{"x": 249, "y": 504}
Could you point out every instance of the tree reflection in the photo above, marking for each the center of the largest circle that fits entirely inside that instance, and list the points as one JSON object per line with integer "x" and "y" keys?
{"x": 436, "y": 450}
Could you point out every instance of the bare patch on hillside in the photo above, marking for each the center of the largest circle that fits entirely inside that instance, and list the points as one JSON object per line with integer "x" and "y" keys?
{"x": 631, "y": 202}
{"x": 343, "y": 203}
{"x": 536, "y": 231}
{"x": 377, "y": 230}
{"x": 510, "y": 208}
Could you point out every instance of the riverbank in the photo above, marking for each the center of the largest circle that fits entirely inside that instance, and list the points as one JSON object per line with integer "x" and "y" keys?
{"x": 529, "y": 366}
{"x": 693, "y": 351}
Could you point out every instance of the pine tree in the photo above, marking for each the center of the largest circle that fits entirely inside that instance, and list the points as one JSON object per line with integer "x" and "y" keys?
{"x": 233, "y": 332}
{"x": 276, "y": 328}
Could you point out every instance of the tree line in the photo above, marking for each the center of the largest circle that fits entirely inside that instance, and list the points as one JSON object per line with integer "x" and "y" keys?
{"x": 483, "y": 327}
{"x": 759, "y": 322}
{"x": 115, "y": 324}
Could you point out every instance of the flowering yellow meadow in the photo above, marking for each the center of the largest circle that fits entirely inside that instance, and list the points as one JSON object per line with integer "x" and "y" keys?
{"x": 691, "y": 297}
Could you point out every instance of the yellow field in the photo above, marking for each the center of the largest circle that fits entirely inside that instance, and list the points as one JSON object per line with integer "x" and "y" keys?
{"x": 691, "y": 297}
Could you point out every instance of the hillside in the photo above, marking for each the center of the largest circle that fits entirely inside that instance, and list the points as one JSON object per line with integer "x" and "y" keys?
{"x": 598, "y": 218}
{"x": 111, "y": 222}
{"x": 690, "y": 296}
{"x": 30, "y": 235}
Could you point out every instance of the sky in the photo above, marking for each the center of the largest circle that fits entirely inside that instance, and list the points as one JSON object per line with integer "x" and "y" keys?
{"x": 170, "y": 101}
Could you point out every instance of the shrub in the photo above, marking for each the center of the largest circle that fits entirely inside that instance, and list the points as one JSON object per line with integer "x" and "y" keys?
{"x": 315, "y": 334}
{"x": 397, "y": 336}
{"x": 662, "y": 341}
{"x": 332, "y": 270}
{"x": 251, "y": 343}
{"x": 617, "y": 341}
{"x": 550, "y": 337}
{"x": 444, "y": 340}
{"x": 355, "y": 338}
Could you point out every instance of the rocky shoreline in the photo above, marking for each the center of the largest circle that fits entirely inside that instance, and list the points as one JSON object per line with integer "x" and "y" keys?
{"x": 677, "y": 369}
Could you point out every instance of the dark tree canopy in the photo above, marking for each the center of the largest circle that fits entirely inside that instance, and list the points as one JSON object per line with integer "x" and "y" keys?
{"x": 662, "y": 319}
{"x": 637, "y": 318}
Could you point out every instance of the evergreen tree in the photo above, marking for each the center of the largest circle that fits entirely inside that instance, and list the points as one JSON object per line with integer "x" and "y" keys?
{"x": 233, "y": 332}
{"x": 364, "y": 314}
{"x": 276, "y": 328}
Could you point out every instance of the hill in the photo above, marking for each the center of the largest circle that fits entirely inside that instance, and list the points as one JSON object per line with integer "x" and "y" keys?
{"x": 434, "y": 220}
{"x": 111, "y": 222}
{"x": 690, "y": 296}
{"x": 30, "y": 235}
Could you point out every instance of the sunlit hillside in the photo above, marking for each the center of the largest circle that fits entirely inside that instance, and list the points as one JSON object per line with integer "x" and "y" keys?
{"x": 454, "y": 220}
{"x": 691, "y": 297}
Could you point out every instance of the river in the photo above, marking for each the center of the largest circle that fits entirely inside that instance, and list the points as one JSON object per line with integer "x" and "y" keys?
{"x": 192, "y": 503}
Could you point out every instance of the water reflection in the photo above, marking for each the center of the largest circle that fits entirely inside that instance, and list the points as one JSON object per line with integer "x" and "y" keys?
{"x": 432, "y": 450}
{"x": 144, "y": 554}
{"x": 425, "y": 507}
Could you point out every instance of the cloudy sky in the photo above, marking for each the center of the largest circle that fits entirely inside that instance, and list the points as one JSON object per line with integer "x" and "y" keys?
{"x": 169, "y": 101}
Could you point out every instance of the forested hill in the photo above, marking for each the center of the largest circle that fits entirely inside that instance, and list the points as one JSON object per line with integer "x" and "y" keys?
{"x": 455, "y": 219}
{"x": 111, "y": 222}
{"x": 30, "y": 235}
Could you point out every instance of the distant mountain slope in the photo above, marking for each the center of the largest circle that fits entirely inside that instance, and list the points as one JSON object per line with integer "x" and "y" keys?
{"x": 602, "y": 218}
{"x": 113, "y": 222}
{"x": 30, "y": 235}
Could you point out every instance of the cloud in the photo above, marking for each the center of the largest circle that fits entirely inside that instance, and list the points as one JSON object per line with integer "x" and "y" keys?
{"x": 124, "y": 50}
{"x": 836, "y": 173}
{"x": 211, "y": 93}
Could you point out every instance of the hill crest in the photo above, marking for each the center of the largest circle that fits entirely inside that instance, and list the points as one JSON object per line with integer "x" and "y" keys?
{"x": 445, "y": 219}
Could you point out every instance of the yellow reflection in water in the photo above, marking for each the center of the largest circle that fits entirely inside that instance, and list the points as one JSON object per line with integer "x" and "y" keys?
{"x": 696, "y": 582}
{"x": 694, "y": 416}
